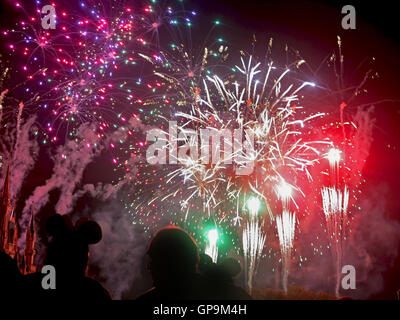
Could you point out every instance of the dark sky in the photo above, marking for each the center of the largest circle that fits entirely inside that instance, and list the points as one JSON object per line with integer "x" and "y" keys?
{"x": 313, "y": 26}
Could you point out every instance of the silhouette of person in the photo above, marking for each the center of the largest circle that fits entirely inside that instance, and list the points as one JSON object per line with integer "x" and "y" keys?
{"x": 68, "y": 252}
{"x": 225, "y": 271}
{"x": 205, "y": 264}
{"x": 173, "y": 263}
{"x": 10, "y": 278}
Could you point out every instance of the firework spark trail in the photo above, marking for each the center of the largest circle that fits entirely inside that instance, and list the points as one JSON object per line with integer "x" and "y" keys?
{"x": 253, "y": 244}
{"x": 286, "y": 224}
{"x": 212, "y": 250}
{"x": 253, "y": 239}
{"x": 335, "y": 205}
{"x": 212, "y": 247}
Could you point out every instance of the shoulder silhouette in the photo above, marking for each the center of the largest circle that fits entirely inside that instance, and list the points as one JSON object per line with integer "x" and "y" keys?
{"x": 10, "y": 278}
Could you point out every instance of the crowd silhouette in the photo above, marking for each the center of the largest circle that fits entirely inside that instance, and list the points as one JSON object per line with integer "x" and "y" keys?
{"x": 177, "y": 269}
{"x": 173, "y": 264}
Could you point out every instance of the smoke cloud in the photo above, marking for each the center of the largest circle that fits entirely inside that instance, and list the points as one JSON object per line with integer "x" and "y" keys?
{"x": 120, "y": 254}
{"x": 25, "y": 155}
{"x": 70, "y": 162}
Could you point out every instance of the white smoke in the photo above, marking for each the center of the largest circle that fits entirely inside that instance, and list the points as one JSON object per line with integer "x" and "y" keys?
{"x": 120, "y": 254}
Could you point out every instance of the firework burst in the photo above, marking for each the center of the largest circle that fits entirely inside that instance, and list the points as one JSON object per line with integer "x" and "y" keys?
{"x": 83, "y": 71}
{"x": 269, "y": 119}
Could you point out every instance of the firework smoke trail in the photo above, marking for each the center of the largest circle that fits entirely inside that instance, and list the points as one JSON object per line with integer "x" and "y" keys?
{"x": 335, "y": 205}
{"x": 19, "y": 118}
{"x": 286, "y": 224}
{"x": 24, "y": 155}
{"x": 22, "y": 147}
{"x": 71, "y": 160}
{"x": 253, "y": 240}
{"x": 2, "y": 95}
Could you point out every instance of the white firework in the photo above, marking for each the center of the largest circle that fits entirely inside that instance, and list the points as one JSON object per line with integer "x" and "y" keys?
{"x": 286, "y": 224}
{"x": 335, "y": 205}
{"x": 253, "y": 244}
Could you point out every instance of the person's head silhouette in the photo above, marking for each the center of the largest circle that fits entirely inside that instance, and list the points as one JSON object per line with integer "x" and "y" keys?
{"x": 205, "y": 263}
{"x": 69, "y": 247}
{"x": 173, "y": 255}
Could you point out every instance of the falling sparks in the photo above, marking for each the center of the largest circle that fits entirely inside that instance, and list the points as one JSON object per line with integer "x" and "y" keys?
{"x": 212, "y": 248}
{"x": 253, "y": 240}
{"x": 285, "y": 224}
{"x": 335, "y": 204}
